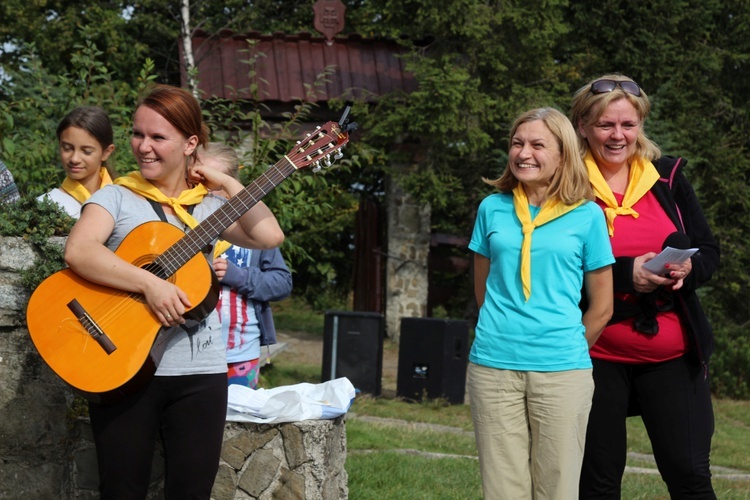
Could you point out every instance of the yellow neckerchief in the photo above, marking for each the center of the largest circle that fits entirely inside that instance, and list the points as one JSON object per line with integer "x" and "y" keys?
{"x": 78, "y": 191}
{"x": 551, "y": 209}
{"x": 221, "y": 247}
{"x": 641, "y": 179}
{"x": 136, "y": 183}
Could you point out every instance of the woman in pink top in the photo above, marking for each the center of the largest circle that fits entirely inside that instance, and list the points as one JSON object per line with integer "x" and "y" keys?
{"x": 652, "y": 358}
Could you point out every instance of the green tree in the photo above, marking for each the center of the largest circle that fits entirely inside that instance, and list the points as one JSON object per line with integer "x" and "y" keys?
{"x": 54, "y": 28}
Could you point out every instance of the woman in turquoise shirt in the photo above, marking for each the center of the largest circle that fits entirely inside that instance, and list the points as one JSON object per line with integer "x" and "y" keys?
{"x": 538, "y": 242}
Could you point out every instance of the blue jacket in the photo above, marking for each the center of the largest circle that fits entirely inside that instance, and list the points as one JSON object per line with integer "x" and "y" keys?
{"x": 265, "y": 279}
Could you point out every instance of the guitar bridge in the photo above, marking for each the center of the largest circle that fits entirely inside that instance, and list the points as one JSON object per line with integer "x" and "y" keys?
{"x": 90, "y": 326}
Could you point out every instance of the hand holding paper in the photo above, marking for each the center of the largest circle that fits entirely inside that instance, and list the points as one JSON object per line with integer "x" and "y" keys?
{"x": 668, "y": 256}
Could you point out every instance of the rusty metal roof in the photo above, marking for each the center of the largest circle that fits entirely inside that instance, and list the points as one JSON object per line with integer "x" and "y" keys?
{"x": 364, "y": 68}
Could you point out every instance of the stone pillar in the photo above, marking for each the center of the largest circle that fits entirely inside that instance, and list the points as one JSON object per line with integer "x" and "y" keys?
{"x": 300, "y": 460}
{"x": 407, "y": 258}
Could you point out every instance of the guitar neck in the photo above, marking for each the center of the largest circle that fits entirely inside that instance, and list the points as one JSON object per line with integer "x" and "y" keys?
{"x": 211, "y": 227}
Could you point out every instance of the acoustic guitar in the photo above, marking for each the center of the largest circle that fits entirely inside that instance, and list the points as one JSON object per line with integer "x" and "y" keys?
{"x": 106, "y": 343}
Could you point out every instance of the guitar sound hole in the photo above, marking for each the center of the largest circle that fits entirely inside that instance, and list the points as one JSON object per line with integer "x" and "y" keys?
{"x": 157, "y": 270}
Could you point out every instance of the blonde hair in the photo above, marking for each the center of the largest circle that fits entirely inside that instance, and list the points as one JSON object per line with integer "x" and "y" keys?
{"x": 224, "y": 153}
{"x": 570, "y": 183}
{"x": 588, "y": 107}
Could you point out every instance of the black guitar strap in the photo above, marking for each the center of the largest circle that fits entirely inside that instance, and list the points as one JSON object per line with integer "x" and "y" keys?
{"x": 191, "y": 326}
{"x": 160, "y": 211}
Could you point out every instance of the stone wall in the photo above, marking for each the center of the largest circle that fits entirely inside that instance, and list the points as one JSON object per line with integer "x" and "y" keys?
{"x": 303, "y": 460}
{"x": 46, "y": 448}
{"x": 33, "y": 401}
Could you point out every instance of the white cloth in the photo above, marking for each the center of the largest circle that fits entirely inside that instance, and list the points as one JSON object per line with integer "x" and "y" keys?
{"x": 290, "y": 403}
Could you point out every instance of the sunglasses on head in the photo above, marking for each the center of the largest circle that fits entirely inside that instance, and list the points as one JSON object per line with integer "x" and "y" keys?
{"x": 603, "y": 86}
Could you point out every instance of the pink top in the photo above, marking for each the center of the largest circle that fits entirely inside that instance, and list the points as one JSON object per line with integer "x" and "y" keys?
{"x": 633, "y": 236}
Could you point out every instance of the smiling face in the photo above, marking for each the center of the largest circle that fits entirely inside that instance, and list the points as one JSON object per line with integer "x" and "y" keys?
{"x": 534, "y": 155}
{"x": 159, "y": 148}
{"x": 612, "y": 138}
{"x": 81, "y": 154}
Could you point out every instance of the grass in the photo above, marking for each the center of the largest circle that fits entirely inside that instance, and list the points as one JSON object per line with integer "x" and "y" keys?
{"x": 395, "y": 475}
{"x": 294, "y": 315}
{"x": 416, "y": 458}
{"x": 391, "y": 437}
{"x": 426, "y": 450}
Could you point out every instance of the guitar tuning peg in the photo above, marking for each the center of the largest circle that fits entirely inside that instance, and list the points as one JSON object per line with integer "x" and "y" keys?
{"x": 299, "y": 142}
{"x": 317, "y": 128}
{"x": 327, "y": 161}
{"x": 316, "y": 167}
{"x": 338, "y": 155}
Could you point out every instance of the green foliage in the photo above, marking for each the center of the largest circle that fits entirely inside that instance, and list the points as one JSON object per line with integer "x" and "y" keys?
{"x": 78, "y": 409}
{"x": 55, "y": 26}
{"x": 730, "y": 376}
{"x": 295, "y": 315}
{"x": 36, "y": 222}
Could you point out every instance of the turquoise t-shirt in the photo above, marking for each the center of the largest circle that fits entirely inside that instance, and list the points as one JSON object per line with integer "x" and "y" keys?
{"x": 544, "y": 333}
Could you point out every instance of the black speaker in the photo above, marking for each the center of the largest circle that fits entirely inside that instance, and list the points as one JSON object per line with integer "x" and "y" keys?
{"x": 432, "y": 359}
{"x": 353, "y": 348}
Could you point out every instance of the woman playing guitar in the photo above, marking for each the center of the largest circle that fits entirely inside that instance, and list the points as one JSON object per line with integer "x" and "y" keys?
{"x": 185, "y": 402}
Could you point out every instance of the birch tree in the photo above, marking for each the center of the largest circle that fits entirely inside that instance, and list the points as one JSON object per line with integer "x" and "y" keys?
{"x": 186, "y": 35}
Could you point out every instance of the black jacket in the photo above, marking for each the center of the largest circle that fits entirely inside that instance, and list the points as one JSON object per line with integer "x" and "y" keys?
{"x": 677, "y": 198}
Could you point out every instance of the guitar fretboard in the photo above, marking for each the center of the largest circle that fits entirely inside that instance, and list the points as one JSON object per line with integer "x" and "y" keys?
{"x": 212, "y": 226}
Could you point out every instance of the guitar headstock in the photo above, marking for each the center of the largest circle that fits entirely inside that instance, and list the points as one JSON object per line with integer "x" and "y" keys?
{"x": 319, "y": 148}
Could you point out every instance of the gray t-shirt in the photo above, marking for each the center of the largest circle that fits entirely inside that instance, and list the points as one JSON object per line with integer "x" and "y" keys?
{"x": 202, "y": 351}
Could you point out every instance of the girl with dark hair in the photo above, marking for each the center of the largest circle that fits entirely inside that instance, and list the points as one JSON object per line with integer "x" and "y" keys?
{"x": 86, "y": 142}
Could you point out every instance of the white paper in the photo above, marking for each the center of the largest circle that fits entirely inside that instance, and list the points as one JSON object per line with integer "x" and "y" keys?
{"x": 668, "y": 256}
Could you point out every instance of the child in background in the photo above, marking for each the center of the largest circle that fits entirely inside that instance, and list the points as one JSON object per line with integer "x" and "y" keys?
{"x": 249, "y": 280}
{"x": 86, "y": 142}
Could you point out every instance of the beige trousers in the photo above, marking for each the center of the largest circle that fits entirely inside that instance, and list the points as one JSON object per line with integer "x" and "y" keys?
{"x": 530, "y": 429}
